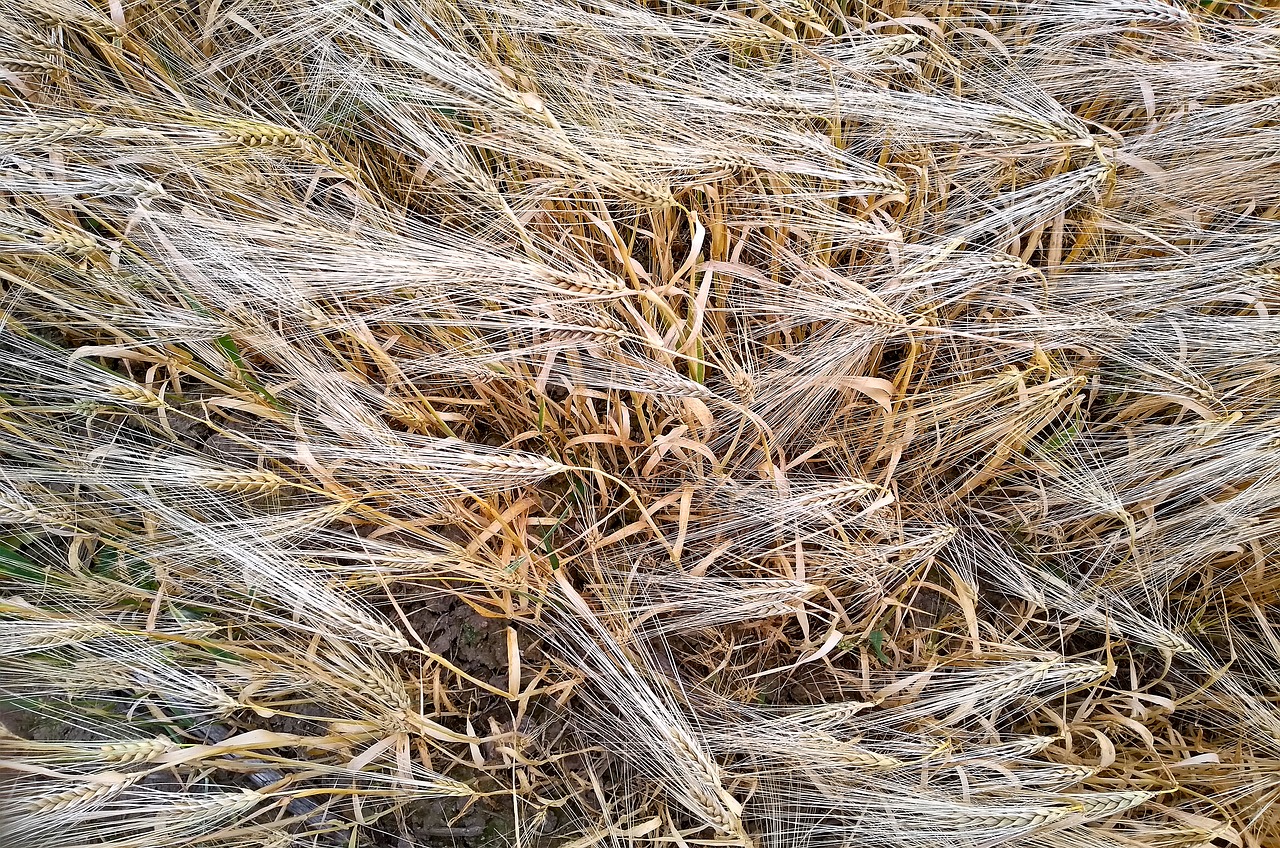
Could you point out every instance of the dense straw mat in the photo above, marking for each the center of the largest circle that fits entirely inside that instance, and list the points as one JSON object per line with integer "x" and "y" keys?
{"x": 531, "y": 423}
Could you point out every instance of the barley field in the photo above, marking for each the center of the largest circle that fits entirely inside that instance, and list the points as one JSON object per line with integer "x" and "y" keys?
{"x": 629, "y": 423}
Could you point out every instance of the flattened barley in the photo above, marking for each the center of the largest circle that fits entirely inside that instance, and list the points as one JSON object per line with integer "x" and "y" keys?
{"x": 31, "y": 66}
{"x": 252, "y": 483}
{"x": 212, "y": 805}
{"x": 515, "y": 464}
{"x": 1022, "y": 819}
{"x": 141, "y": 751}
{"x": 831, "y": 496}
{"x": 86, "y": 795}
{"x": 15, "y": 508}
{"x": 270, "y": 136}
{"x": 895, "y": 45}
{"x": 75, "y": 244}
{"x": 137, "y": 396}
{"x": 1103, "y": 804}
{"x": 52, "y": 132}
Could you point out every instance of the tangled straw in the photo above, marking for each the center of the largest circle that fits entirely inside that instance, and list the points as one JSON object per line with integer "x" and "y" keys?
{"x": 778, "y": 423}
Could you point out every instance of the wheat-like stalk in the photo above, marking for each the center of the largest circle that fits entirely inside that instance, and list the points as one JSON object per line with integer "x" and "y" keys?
{"x": 51, "y": 635}
{"x": 143, "y": 190}
{"x": 829, "y": 496}
{"x": 104, "y": 787}
{"x": 833, "y": 713}
{"x": 1103, "y": 804}
{"x": 1008, "y": 819}
{"x": 258, "y": 134}
{"x": 15, "y": 508}
{"x": 51, "y": 132}
{"x": 58, "y": 14}
{"x": 31, "y": 66}
{"x": 136, "y": 752}
{"x": 514, "y": 463}
{"x": 1063, "y": 776}
{"x": 706, "y": 788}
{"x": 71, "y": 243}
{"x": 864, "y": 759}
{"x": 213, "y": 804}
{"x": 583, "y": 282}
{"x": 254, "y": 483}
{"x": 136, "y": 395}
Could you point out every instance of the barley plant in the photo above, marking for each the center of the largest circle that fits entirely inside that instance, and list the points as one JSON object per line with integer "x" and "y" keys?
{"x": 531, "y": 423}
